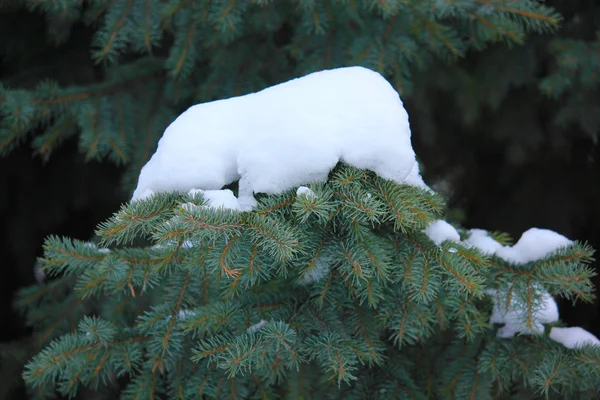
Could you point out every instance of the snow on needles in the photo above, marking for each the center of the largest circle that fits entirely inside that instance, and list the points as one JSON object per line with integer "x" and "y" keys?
{"x": 514, "y": 316}
{"x": 534, "y": 244}
{"x": 574, "y": 337}
{"x": 440, "y": 231}
{"x": 294, "y": 133}
{"x": 303, "y": 190}
{"x": 286, "y": 135}
{"x": 217, "y": 198}
{"x": 480, "y": 239}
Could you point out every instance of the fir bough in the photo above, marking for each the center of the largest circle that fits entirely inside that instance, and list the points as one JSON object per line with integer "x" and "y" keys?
{"x": 305, "y": 294}
{"x": 332, "y": 292}
{"x": 156, "y": 58}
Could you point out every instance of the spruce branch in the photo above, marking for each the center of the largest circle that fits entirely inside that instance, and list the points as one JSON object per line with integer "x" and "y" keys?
{"x": 335, "y": 355}
{"x": 137, "y": 219}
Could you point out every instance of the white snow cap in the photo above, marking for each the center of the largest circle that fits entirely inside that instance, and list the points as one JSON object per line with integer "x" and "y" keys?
{"x": 534, "y": 244}
{"x": 286, "y": 135}
{"x": 439, "y": 231}
{"x": 217, "y": 198}
{"x": 574, "y": 337}
{"x": 514, "y": 317}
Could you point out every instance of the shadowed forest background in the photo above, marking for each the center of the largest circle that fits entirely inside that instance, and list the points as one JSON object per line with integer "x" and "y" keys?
{"x": 507, "y": 132}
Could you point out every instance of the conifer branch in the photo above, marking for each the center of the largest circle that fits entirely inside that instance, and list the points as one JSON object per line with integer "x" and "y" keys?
{"x": 339, "y": 278}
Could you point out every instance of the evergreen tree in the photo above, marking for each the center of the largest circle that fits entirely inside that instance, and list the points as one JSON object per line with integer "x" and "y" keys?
{"x": 166, "y": 319}
{"x": 332, "y": 293}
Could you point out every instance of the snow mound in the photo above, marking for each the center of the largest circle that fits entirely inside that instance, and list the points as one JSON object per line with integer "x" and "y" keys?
{"x": 574, "y": 337}
{"x": 440, "y": 231}
{"x": 217, "y": 198}
{"x": 514, "y": 316}
{"x": 534, "y": 244}
{"x": 286, "y": 135}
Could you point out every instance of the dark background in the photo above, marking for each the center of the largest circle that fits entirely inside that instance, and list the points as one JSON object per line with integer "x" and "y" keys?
{"x": 506, "y": 168}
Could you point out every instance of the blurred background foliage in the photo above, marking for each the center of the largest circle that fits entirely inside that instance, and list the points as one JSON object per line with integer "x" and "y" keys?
{"x": 502, "y": 95}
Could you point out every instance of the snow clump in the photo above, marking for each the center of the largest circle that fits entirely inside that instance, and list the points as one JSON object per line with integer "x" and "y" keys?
{"x": 286, "y": 135}
{"x": 514, "y": 316}
{"x": 217, "y": 198}
{"x": 573, "y": 337}
{"x": 440, "y": 231}
{"x": 535, "y": 244}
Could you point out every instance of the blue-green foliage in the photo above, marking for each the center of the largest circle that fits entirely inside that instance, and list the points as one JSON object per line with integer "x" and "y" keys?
{"x": 337, "y": 295}
{"x": 156, "y": 58}
{"x": 332, "y": 293}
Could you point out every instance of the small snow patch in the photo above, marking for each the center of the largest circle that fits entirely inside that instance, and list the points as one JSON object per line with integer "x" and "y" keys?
{"x": 256, "y": 327}
{"x": 573, "y": 337}
{"x": 303, "y": 190}
{"x": 514, "y": 317}
{"x": 146, "y": 194}
{"x": 440, "y": 231}
{"x": 188, "y": 244}
{"x": 320, "y": 270}
{"x": 217, "y": 198}
{"x": 95, "y": 247}
{"x": 185, "y": 313}
{"x": 38, "y": 273}
{"x": 480, "y": 239}
{"x": 534, "y": 244}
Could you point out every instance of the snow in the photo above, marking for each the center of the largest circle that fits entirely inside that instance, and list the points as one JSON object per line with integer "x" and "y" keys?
{"x": 534, "y": 244}
{"x": 146, "y": 194}
{"x": 414, "y": 177}
{"x": 185, "y": 313}
{"x": 480, "y": 239}
{"x": 217, "y": 198}
{"x": 317, "y": 273}
{"x": 284, "y": 136}
{"x": 91, "y": 245}
{"x": 38, "y": 273}
{"x": 303, "y": 190}
{"x": 440, "y": 231}
{"x": 295, "y": 133}
{"x": 256, "y": 327}
{"x": 514, "y": 317}
{"x": 573, "y": 337}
